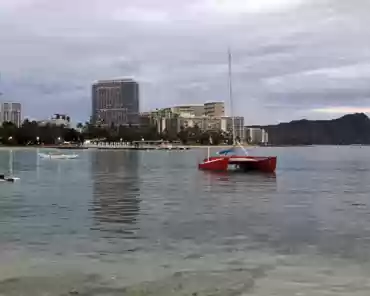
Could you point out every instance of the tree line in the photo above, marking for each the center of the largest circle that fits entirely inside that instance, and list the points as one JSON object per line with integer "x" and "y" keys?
{"x": 31, "y": 133}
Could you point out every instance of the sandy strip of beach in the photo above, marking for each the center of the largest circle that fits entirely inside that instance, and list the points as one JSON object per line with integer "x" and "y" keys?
{"x": 18, "y": 148}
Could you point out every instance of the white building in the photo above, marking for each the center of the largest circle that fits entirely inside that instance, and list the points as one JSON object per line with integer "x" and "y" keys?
{"x": 183, "y": 111}
{"x": 209, "y": 109}
{"x": 208, "y": 117}
{"x": 227, "y": 126}
{"x": 214, "y": 109}
{"x": 175, "y": 124}
{"x": 11, "y": 112}
{"x": 57, "y": 120}
{"x": 256, "y": 135}
{"x": 265, "y": 137}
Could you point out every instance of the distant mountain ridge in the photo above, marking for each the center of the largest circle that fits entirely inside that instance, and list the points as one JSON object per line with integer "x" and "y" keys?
{"x": 346, "y": 130}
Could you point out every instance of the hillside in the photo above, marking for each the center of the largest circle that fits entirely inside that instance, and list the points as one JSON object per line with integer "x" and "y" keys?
{"x": 346, "y": 130}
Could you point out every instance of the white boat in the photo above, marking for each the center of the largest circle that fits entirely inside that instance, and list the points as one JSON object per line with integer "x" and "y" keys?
{"x": 57, "y": 155}
{"x": 10, "y": 177}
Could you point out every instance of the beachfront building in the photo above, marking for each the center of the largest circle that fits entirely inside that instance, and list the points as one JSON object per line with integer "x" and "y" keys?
{"x": 256, "y": 135}
{"x": 115, "y": 102}
{"x": 214, "y": 109}
{"x": 11, "y": 112}
{"x": 207, "y": 117}
{"x": 227, "y": 123}
{"x": 57, "y": 119}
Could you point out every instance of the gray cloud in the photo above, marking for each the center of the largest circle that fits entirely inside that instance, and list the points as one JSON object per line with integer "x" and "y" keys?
{"x": 289, "y": 57}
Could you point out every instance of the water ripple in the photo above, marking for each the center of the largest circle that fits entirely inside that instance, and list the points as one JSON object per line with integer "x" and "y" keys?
{"x": 143, "y": 216}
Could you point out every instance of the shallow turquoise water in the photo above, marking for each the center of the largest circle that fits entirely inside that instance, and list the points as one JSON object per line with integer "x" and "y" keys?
{"x": 150, "y": 223}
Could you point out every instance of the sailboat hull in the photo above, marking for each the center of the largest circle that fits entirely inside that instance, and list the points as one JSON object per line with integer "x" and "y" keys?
{"x": 240, "y": 163}
{"x": 58, "y": 156}
{"x": 214, "y": 164}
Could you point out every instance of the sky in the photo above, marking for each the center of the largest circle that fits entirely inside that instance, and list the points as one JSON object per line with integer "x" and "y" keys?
{"x": 291, "y": 59}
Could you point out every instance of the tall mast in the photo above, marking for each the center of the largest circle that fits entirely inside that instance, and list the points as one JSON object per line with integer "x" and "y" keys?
{"x": 231, "y": 97}
{"x": 11, "y": 163}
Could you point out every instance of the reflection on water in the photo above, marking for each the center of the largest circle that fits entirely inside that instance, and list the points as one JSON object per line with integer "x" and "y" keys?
{"x": 116, "y": 192}
{"x": 253, "y": 179}
{"x": 150, "y": 223}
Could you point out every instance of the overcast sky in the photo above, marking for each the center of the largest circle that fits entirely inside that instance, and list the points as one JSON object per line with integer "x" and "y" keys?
{"x": 291, "y": 58}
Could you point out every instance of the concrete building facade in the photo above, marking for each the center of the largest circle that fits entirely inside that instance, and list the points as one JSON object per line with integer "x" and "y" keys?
{"x": 11, "y": 112}
{"x": 224, "y": 124}
{"x": 115, "y": 102}
{"x": 182, "y": 111}
{"x": 192, "y": 110}
{"x": 255, "y": 135}
{"x": 208, "y": 117}
{"x": 210, "y": 109}
{"x": 214, "y": 109}
{"x": 57, "y": 120}
{"x": 227, "y": 126}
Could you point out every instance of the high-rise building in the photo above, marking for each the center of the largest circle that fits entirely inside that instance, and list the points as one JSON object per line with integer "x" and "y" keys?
{"x": 11, "y": 112}
{"x": 183, "y": 111}
{"x": 210, "y": 109}
{"x": 233, "y": 124}
{"x": 115, "y": 102}
{"x": 214, "y": 109}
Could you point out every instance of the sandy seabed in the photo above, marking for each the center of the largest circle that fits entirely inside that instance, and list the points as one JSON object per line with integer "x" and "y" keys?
{"x": 262, "y": 274}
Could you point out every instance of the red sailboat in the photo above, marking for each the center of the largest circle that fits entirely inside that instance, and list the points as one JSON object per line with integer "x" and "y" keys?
{"x": 244, "y": 163}
{"x": 228, "y": 160}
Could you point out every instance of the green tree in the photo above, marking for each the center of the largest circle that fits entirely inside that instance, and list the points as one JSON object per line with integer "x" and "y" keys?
{"x": 204, "y": 138}
{"x": 183, "y": 135}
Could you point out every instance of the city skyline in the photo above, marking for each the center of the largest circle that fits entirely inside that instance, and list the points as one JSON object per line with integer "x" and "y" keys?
{"x": 291, "y": 59}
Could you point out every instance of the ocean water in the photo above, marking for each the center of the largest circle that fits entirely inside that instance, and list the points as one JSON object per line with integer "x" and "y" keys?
{"x": 150, "y": 223}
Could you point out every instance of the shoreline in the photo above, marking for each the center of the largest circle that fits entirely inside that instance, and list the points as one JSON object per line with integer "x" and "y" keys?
{"x": 188, "y": 147}
{"x": 118, "y": 148}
